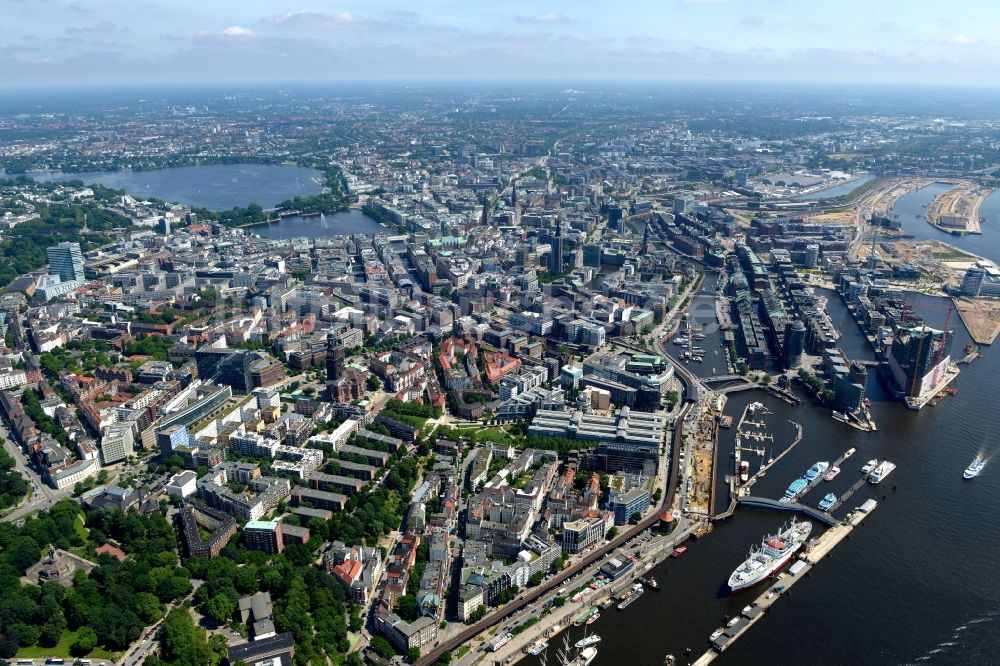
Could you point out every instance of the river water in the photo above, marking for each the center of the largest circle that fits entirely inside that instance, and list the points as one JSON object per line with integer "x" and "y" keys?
{"x": 211, "y": 186}
{"x": 919, "y": 583}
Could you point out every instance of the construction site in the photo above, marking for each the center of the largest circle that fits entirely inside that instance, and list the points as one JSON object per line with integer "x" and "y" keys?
{"x": 957, "y": 210}
{"x": 981, "y": 317}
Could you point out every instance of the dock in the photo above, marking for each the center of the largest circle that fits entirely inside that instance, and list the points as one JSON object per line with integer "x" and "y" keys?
{"x": 769, "y": 465}
{"x": 735, "y": 489}
{"x": 819, "y": 477}
{"x": 819, "y": 549}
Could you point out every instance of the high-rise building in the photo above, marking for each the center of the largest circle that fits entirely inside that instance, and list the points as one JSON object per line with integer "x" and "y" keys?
{"x": 556, "y": 257}
{"x": 795, "y": 344}
{"x": 66, "y": 261}
{"x": 117, "y": 442}
{"x": 230, "y": 367}
{"x": 264, "y": 535}
{"x": 919, "y": 357}
{"x": 972, "y": 283}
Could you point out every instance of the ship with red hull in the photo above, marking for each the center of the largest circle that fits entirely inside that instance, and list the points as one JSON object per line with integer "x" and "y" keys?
{"x": 775, "y": 551}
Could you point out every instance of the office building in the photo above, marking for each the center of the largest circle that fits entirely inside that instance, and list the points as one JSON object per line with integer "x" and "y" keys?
{"x": 66, "y": 261}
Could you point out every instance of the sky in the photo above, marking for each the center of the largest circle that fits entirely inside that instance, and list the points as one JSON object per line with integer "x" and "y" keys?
{"x": 59, "y": 43}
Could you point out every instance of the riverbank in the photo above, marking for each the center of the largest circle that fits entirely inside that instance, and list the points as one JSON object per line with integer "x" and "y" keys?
{"x": 956, "y": 211}
{"x": 981, "y": 318}
{"x": 656, "y": 552}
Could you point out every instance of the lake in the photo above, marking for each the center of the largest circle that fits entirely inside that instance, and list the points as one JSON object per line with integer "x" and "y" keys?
{"x": 211, "y": 186}
{"x": 347, "y": 222}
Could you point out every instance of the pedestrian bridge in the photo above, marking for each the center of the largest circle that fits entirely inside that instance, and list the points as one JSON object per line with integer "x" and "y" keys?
{"x": 766, "y": 503}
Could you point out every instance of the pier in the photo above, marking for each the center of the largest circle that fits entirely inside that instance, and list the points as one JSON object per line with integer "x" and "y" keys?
{"x": 819, "y": 477}
{"x": 818, "y": 549}
{"x": 771, "y": 463}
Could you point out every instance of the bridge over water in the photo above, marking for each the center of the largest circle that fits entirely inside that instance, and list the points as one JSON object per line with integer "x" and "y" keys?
{"x": 795, "y": 507}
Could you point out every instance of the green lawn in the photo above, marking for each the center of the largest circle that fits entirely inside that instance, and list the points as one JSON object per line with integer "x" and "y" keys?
{"x": 61, "y": 649}
{"x": 495, "y": 435}
{"x": 82, "y": 531}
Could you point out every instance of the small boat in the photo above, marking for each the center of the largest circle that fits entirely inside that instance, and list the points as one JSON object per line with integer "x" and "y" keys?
{"x": 588, "y": 655}
{"x": 798, "y": 485}
{"x": 869, "y": 466}
{"x": 587, "y": 641}
{"x": 881, "y": 471}
{"x": 679, "y": 551}
{"x": 974, "y": 468}
{"x": 538, "y": 647}
{"x": 715, "y": 634}
{"x": 832, "y": 474}
{"x": 649, "y": 582}
{"x": 593, "y": 618}
{"x": 827, "y": 501}
{"x": 744, "y": 471}
{"x": 634, "y": 593}
{"x": 816, "y": 470}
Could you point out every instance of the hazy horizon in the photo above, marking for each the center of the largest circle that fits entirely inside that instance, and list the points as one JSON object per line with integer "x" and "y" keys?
{"x": 83, "y": 43}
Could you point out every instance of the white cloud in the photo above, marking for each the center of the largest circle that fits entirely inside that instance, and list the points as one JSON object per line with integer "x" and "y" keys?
{"x": 962, "y": 40}
{"x": 103, "y": 26}
{"x": 238, "y": 32}
{"x": 326, "y": 20}
{"x": 546, "y": 17}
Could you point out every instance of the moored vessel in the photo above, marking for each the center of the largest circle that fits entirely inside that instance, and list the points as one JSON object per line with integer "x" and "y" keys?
{"x": 538, "y": 647}
{"x": 774, "y": 552}
{"x": 881, "y": 471}
{"x": 588, "y": 655}
{"x": 869, "y": 466}
{"x": 828, "y": 500}
{"x": 798, "y": 485}
{"x": 635, "y": 592}
{"x": 816, "y": 470}
{"x": 584, "y": 616}
{"x": 832, "y": 474}
{"x": 587, "y": 641}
